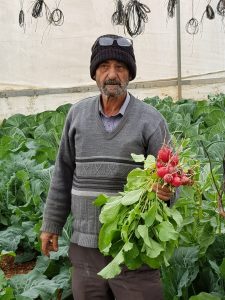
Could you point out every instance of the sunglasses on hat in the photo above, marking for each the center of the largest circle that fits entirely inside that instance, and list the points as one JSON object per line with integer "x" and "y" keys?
{"x": 108, "y": 41}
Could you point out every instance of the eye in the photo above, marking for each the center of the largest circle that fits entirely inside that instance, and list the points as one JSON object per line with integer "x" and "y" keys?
{"x": 103, "y": 67}
{"x": 121, "y": 67}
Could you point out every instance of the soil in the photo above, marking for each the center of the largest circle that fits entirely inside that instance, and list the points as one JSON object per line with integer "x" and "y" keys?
{"x": 10, "y": 268}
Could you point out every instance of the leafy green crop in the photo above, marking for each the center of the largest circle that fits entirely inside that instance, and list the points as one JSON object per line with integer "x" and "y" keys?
{"x": 28, "y": 146}
{"x": 137, "y": 227}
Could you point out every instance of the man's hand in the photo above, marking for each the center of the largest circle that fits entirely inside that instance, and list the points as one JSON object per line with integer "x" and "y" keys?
{"x": 49, "y": 242}
{"x": 163, "y": 192}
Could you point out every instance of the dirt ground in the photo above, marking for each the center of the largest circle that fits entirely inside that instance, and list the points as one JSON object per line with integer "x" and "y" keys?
{"x": 10, "y": 268}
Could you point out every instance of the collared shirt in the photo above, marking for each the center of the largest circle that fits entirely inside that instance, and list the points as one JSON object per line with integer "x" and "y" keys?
{"x": 111, "y": 122}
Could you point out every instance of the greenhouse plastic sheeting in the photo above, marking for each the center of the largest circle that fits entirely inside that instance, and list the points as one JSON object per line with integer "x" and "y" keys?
{"x": 42, "y": 55}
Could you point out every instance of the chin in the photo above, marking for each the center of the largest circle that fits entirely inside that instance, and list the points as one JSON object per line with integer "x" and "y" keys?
{"x": 113, "y": 93}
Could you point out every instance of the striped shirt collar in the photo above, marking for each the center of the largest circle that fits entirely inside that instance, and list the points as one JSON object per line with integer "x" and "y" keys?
{"x": 122, "y": 108}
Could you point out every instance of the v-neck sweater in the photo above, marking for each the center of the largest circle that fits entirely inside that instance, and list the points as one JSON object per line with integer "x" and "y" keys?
{"x": 92, "y": 161}
{"x": 110, "y": 122}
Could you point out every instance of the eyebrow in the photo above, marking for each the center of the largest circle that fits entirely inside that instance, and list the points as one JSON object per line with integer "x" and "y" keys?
{"x": 117, "y": 62}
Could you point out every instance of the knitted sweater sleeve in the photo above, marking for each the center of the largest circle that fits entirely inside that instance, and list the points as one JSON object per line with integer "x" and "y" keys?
{"x": 58, "y": 203}
{"x": 160, "y": 136}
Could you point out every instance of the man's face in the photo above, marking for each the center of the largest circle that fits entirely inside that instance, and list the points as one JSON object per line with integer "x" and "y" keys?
{"x": 112, "y": 78}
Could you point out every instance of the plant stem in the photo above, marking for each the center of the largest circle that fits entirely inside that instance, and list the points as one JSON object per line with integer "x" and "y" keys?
{"x": 199, "y": 204}
{"x": 185, "y": 293}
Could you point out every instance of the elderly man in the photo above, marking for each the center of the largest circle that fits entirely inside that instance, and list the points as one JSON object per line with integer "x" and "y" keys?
{"x": 94, "y": 157}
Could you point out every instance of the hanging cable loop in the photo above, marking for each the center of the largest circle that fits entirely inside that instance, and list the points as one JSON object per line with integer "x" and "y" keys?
{"x": 119, "y": 15}
{"x": 136, "y": 17}
{"x": 171, "y": 8}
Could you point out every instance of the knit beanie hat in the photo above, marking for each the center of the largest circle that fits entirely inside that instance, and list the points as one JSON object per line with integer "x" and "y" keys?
{"x": 101, "y": 53}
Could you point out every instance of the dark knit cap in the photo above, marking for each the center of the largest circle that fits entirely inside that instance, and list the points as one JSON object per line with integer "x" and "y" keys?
{"x": 123, "y": 54}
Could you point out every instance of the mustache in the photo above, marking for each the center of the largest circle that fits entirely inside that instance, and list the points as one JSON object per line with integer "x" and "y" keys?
{"x": 112, "y": 82}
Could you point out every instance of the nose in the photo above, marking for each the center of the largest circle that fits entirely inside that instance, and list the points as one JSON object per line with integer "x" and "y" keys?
{"x": 112, "y": 74}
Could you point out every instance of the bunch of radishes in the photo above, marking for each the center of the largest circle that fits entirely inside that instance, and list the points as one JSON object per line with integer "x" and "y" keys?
{"x": 169, "y": 169}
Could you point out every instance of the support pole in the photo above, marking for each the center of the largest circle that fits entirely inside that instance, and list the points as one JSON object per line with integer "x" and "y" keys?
{"x": 179, "y": 76}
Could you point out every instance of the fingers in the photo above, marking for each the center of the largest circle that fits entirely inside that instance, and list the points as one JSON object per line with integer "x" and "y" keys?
{"x": 55, "y": 243}
{"x": 163, "y": 192}
{"x": 49, "y": 242}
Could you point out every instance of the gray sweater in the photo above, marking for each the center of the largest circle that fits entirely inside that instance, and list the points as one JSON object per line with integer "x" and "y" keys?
{"x": 92, "y": 161}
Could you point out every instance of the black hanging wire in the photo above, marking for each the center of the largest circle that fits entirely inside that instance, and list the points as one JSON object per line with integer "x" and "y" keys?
{"x": 22, "y": 16}
{"x": 135, "y": 17}
{"x": 118, "y": 16}
{"x": 192, "y": 26}
{"x": 37, "y": 9}
{"x": 56, "y": 17}
{"x": 221, "y": 8}
{"x": 171, "y": 6}
{"x": 209, "y": 12}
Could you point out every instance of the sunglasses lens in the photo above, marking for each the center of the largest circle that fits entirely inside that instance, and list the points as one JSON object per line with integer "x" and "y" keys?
{"x": 105, "y": 41}
{"x": 124, "y": 42}
{"x": 108, "y": 41}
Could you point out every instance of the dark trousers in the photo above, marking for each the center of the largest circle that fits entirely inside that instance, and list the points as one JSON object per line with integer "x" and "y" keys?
{"x": 141, "y": 284}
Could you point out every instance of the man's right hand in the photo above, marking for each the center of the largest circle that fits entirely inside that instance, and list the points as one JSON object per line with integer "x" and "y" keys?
{"x": 49, "y": 242}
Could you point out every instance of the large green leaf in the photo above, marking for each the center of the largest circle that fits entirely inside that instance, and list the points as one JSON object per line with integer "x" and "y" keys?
{"x": 153, "y": 248}
{"x": 202, "y": 108}
{"x": 166, "y": 231}
{"x": 15, "y": 120}
{"x": 113, "y": 268}
{"x": 106, "y": 235}
{"x": 217, "y": 129}
{"x": 149, "y": 162}
{"x": 204, "y": 296}
{"x": 216, "y": 251}
{"x": 101, "y": 200}
{"x": 63, "y": 281}
{"x": 132, "y": 259}
{"x": 33, "y": 285}
{"x": 205, "y": 236}
{"x": 222, "y": 269}
{"x": 131, "y": 197}
{"x": 136, "y": 178}
{"x": 110, "y": 210}
{"x": 10, "y": 238}
{"x": 182, "y": 271}
{"x": 216, "y": 150}
{"x": 149, "y": 215}
{"x": 6, "y": 294}
{"x": 214, "y": 117}
{"x": 5, "y": 146}
{"x": 138, "y": 157}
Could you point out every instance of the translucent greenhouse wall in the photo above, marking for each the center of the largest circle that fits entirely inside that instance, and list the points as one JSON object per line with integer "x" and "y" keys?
{"x": 44, "y": 66}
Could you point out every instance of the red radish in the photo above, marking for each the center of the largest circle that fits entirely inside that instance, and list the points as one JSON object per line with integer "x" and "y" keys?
{"x": 185, "y": 180}
{"x": 164, "y": 154}
{"x": 176, "y": 181}
{"x": 159, "y": 164}
{"x": 168, "y": 178}
{"x": 161, "y": 172}
{"x": 174, "y": 160}
{"x": 171, "y": 169}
